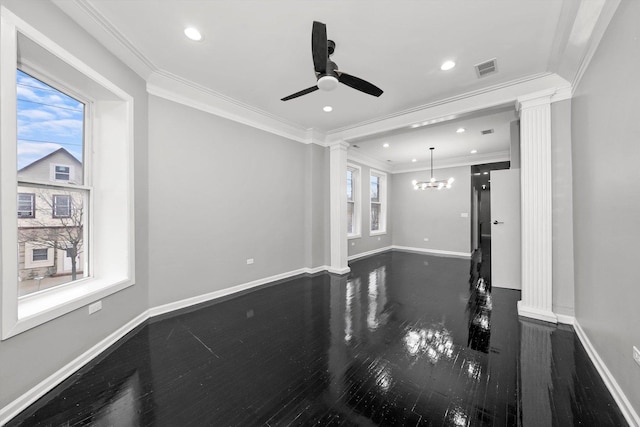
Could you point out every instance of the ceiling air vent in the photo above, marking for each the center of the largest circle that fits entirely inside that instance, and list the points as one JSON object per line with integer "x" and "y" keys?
{"x": 486, "y": 131}
{"x": 486, "y": 68}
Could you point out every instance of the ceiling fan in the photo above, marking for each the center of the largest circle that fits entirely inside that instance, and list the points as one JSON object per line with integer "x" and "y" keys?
{"x": 327, "y": 73}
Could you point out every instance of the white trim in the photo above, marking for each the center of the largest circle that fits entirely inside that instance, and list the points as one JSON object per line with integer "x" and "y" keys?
{"x": 566, "y": 319}
{"x": 188, "y": 302}
{"x": 432, "y": 251}
{"x": 369, "y": 253}
{"x": 19, "y": 314}
{"x": 536, "y": 313}
{"x": 338, "y": 270}
{"x": 187, "y": 93}
{"x": 356, "y": 190}
{"x": 46, "y": 385}
{"x": 609, "y": 380}
{"x": 338, "y": 206}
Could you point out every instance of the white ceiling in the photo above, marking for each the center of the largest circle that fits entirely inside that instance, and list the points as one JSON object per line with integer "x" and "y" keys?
{"x": 255, "y": 52}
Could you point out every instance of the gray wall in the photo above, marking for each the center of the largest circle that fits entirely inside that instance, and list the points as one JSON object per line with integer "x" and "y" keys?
{"x": 221, "y": 192}
{"x": 366, "y": 242}
{"x": 606, "y": 193}
{"x": 562, "y": 206}
{"x": 28, "y": 358}
{"x": 432, "y": 214}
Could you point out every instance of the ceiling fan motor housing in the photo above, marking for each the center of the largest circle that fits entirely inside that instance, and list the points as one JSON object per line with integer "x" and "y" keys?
{"x": 327, "y": 83}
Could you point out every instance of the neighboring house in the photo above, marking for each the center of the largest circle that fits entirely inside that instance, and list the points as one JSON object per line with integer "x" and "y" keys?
{"x": 50, "y": 221}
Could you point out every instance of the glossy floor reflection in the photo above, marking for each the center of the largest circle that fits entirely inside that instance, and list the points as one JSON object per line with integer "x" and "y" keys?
{"x": 404, "y": 339}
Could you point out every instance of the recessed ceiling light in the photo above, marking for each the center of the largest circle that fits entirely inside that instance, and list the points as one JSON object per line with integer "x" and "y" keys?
{"x": 477, "y": 173}
{"x": 385, "y": 145}
{"x": 447, "y": 65}
{"x": 328, "y": 109}
{"x": 485, "y": 173}
{"x": 414, "y": 160}
{"x": 474, "y": 151}
{"x": 415, "y": 125}
{"x": 460, "y": 130}
{"x": 193, "y": 34}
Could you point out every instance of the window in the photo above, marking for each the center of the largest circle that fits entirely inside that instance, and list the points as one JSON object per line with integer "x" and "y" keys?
{"x": 61, "y": 206}
{"x": 378, "y": 181}
{"x": 62, "y": 173}
{"x": 353, "y": 201}
{"x": 26, "y": 205}
{"x": 64, "y": 158}
{"x": 41, "y": 254}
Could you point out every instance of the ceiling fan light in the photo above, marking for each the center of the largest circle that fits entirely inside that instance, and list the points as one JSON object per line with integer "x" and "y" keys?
{"x": 327, "y": 83}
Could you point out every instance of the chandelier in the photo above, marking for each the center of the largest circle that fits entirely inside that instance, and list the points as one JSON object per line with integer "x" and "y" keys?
{"x": 432, "y": 183}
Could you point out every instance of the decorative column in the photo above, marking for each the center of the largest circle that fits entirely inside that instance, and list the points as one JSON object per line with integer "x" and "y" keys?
{"x": 338, "y": 206}
{"x": 535, "y": 204}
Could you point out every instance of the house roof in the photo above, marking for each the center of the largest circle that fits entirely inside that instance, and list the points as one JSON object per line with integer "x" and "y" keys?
{"x": 59, "y": 151}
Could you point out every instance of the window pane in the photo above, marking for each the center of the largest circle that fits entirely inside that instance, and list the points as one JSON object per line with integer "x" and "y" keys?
{"x": 50, "y": 130}
{"x": 349, "y": 185}
{"x": 40, "y": 254}
{"x": 350, "y": 217}
{"x": 61, "y": 206}
{"x": 375, "y": 188}
{"x": 25, "y": 205}
{"x": 56, "y": 239}
{"x": 375, "y": 216}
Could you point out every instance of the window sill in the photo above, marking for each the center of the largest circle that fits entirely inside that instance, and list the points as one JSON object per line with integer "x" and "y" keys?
{"x": 353, "y": 236}
{"x": 36, "y": 309}
{"x": 377, "y": 233}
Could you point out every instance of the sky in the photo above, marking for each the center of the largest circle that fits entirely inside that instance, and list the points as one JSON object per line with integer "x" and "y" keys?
{"x": 47, "y": 120}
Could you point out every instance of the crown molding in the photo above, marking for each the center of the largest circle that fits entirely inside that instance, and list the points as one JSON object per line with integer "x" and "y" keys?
{"x": 89, "y": 18}
{"x": 358, "y": 157}
{"x": 606, "y": 12}
{"x": 172, "y": 88}
{"x": 454, "y": 107}
{"x": 454, "y": 162}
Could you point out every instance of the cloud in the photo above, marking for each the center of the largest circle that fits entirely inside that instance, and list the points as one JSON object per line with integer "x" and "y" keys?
{"x": 29, "y": 152}
{"x": 49, "y": 129}
{"x": 36, "y": 114}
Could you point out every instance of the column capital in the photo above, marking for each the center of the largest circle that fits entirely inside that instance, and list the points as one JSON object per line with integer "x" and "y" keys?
{"x": 535, "y": 99}
{"x": 339, "y": 145}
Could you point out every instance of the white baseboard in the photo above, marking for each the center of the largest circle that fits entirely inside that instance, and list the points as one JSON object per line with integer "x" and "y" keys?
{"x": 534, "y": 313}
{"x": 188, "y": 302}
{"x": 618, "y": 395}
{"x": 432, "y": 251}
{"x": 368, "y": 253}
{"x": 21, "y": 403}
{"x": 566, "y": 319}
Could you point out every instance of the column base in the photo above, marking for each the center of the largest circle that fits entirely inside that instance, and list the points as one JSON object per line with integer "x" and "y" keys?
{"x": 337, "y": 270}
{"x": 536, "y": 313}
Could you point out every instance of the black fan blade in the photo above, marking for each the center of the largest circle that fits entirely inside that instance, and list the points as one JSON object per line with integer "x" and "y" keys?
{"x": 359, "y": 84}
{"x": 302, "y": 92}
{"x": 319, "y": 47}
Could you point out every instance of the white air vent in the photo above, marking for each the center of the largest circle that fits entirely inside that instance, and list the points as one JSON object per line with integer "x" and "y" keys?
{"x": 486, "y": 131}
{"x": 486, "y": 68}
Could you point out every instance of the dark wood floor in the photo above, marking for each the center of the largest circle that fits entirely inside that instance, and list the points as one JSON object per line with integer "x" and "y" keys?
{"x": 405, "y": 339}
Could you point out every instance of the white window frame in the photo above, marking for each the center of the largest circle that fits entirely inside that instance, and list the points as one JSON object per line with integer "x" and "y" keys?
{"x": 357, "y": 201}
{"x": 110, "y": 251}
{"x": 383, "y": 202}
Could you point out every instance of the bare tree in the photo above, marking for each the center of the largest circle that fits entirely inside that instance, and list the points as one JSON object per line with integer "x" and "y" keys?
{"x": 58, "y": 224}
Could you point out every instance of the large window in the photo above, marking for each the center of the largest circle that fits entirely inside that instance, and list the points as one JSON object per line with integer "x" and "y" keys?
{"x": 353, "y": 201}
{"x": 378, "y": 181}
{"x": 51, "y": 136}
{"x": 63, "y": 251}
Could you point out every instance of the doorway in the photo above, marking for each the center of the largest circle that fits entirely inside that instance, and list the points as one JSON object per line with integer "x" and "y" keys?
{"x": 481, "y": 216}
